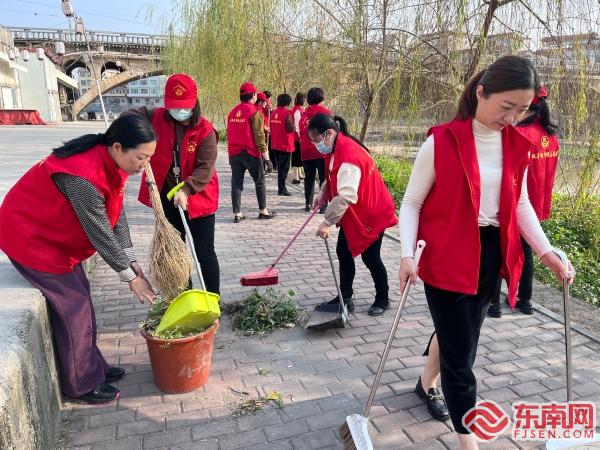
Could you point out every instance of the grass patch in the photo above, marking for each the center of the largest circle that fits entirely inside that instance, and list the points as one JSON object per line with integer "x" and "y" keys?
{"x": 263, "y": 312}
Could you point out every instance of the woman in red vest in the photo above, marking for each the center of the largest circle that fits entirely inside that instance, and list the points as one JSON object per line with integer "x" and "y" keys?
{"x": 297, "y": 111}
{"x": 282, "y": 140}
{"x": 312, "y": 160}
{"x": 466, "y": 198}
{"x": 186, "y": 152}
{"x": 63, "y": 210}
{"x": 541, "y": 132}
{"x": 359, "y": 204}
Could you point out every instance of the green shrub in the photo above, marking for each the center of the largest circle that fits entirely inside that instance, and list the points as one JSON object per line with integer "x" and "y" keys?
{"x": 574, "y": 228}
{"x": 395, "y": 173}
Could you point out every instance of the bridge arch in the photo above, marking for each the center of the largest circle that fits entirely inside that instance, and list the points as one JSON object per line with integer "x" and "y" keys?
{"x": 109, "y": 84}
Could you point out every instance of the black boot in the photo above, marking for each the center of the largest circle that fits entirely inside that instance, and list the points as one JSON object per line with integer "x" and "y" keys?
{"x": 525, "y": 307}
{"x": 495, "y": 310}
{"x": 436, "y": 405}
{"x": 336, "y": 300}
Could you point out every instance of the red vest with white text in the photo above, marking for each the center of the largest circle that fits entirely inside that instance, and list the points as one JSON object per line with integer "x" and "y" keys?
{"x": 38, "y": 226}
{"x": 281, "y": 138}
{"x": 200, "y": 204}
{"x": 239, "y": 130}
{"x": 374, "y": 210}
{"x": 307, "y": 148}
{"x": 542, "y": 167}
{"x": 449, "y": 218}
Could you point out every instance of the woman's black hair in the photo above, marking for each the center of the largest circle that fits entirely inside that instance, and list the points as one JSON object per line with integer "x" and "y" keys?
{"x": 196, "y": 115}
{"x": 129, "y": 130}
{"x": 267, "y": 94}
{"x": 284, "y": 100}
{"x": 322, "y": 122}
{"x": 315, "y": 95}
{"x": 299, "y": 100}
{"x": 505, "y": 74}
{"x": 246, "y": 97}
{"x": 542, "y": 111}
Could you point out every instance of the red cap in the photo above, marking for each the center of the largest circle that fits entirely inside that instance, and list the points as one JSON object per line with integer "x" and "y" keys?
{"x": 260, "y": 97}
{"x": 180, "y": 92}
{"x": 542, "y": 93}
{"x": 247, "y": 88}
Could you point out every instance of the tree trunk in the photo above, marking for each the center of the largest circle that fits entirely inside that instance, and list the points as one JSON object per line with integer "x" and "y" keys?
{"x": 365, "y": 124}
{"x": 492, "y": 6}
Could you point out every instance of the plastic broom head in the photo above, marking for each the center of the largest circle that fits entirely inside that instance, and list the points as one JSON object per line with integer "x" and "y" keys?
{"x": 264, "y": 277}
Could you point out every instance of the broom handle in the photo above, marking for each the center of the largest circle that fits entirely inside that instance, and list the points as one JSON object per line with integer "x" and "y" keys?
{"x": 289, "y": 244}
{"x": 388, "y": 345}
{"x": 568, "y": 358}
{"x": 190, "y": 241}
{"x": 337, "y": 285}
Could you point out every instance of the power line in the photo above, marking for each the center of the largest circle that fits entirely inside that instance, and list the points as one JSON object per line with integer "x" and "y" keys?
{"x": 29, "y": 12}
{"x": 84, "y": 12}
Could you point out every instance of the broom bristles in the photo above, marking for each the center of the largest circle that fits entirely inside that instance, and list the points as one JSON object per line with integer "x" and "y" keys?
{"x": 170, "y": 264}
{"x": 346, "y": 437}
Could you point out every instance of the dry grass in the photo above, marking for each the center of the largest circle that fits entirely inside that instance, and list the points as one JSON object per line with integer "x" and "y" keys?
{"x": 170, "y": 264}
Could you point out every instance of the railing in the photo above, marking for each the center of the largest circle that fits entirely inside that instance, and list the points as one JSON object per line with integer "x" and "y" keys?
{"x": 98, "y": 37}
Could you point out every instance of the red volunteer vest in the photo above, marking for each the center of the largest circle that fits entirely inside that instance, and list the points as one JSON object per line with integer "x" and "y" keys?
{"x": 201, "y": 204}
{"x": 375, "y": 210}
{"x": 281, "y": 139}
{"x": 239, "y": 131}
{"x": 449, "y": 217}
{"x": 542, "y": 167}
{"x": 294, "y": 109}
{"x": 38, "y": 226}
{"x": 307, "y": 148}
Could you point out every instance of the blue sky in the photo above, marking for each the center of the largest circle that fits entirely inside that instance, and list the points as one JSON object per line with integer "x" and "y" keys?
{"x": 108, "y": 15}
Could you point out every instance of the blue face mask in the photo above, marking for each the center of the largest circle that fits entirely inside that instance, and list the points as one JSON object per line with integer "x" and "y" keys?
{"x": 322, "y": 147}
{"x": 180, "y": 115}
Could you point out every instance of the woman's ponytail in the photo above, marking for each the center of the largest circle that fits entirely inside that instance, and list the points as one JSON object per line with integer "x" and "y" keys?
{"x": 467, "y": 104}
{"x": 79, "y": 145}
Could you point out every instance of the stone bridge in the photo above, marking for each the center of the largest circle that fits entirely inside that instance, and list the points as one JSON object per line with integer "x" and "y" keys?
{"x": 133, "y": 56}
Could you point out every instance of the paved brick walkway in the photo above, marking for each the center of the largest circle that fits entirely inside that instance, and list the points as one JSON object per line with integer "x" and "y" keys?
{"x": 322, "y": 376}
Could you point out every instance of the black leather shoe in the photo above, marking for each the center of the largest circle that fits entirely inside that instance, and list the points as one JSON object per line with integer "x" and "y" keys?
{"x": 436, "y": 405}
{"x": 238, "y": 219}
{"x": 284, "y": 193}
{"x": 322, "y": 209}
{"x": 377, "y": 310}
{"x": 268, "y": 215}
{"x": 307, "y": 208}
{"x": 495, "y": 310}
{"x": 525, "y": 307}
{"x": 295, "y": 181}
{"x": 105, "y": 393}
{"x": 114, "y": 374}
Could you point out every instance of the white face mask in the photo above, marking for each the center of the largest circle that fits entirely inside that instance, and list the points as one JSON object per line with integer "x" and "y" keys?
{"x": 180, "y": 115}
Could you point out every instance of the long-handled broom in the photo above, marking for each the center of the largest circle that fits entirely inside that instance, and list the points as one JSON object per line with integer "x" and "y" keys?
{"x": 270, "y": 275}
{"x": 170, "y": 265}
{"x": 355, "y": 432}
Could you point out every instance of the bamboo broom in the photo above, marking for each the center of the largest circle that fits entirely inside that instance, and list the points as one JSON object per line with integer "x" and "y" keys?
{"x": 170, "y": 264}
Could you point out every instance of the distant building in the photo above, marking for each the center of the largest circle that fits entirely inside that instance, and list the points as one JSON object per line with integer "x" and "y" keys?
{"x": 147, "y": 92}
{"x": 10, "y": 96}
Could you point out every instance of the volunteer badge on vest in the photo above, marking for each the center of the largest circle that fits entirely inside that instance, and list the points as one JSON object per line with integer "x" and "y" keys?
{"x": 238, "y": 114}
{"x": 191, "y": 147}
{"x": 545, "y": 142}
{"x": 179, "y": 90}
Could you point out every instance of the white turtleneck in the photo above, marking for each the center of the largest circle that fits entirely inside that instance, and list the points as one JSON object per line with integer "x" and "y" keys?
{"x": 488, "y": 144}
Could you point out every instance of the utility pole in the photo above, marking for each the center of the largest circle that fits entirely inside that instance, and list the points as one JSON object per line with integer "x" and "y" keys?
{"x": 69, "y": 13}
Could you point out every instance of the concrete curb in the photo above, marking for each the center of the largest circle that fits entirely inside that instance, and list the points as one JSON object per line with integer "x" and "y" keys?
{"x": 29, "y": 393}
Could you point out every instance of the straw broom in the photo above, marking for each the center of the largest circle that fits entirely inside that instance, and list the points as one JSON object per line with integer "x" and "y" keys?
{"x": 170, "y": 264}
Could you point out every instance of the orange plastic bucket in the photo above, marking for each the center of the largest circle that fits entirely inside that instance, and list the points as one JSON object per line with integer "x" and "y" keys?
{"x": 181, "y": 365}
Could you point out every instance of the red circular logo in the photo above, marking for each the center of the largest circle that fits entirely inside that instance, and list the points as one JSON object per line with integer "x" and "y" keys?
{"x": 485, "y": 420}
